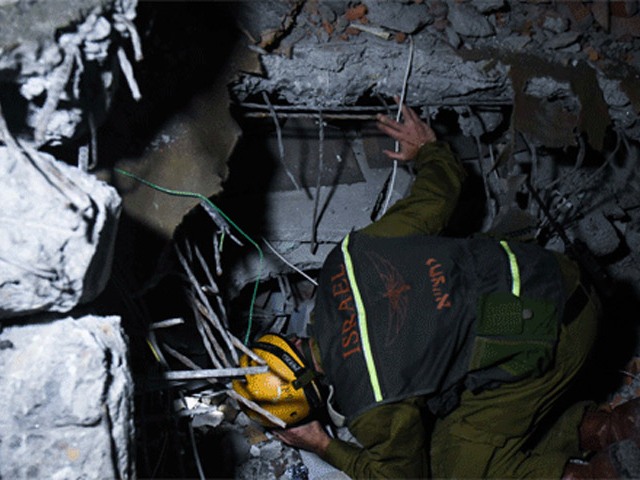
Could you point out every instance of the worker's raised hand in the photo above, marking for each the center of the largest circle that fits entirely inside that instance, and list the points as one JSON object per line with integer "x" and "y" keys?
{"x": 310, "y": 436}
{"x": 411, "y": 133}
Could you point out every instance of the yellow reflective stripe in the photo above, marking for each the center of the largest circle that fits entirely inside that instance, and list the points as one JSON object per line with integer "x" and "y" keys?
{"x": 515, "y": 269}
{"x": 362, "y": 322}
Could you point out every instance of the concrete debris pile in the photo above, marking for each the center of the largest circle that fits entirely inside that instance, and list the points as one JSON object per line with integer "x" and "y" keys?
{"x": 65, "y": 381}
{"x": 246, "y": 450}
{"x": 328, "y": 54}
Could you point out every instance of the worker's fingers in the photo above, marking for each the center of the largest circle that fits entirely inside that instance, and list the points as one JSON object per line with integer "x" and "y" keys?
{"x": 284, "y": 436}
{"x": 388, "y": 121}
{"x": 391, "y": 125}
{"x": 401, "y": 155}
{"x": 411, "y": 114}
{"x": 423, "y": 130}
{"x": 411, "y": 133}
{"x": 396, "y": 131}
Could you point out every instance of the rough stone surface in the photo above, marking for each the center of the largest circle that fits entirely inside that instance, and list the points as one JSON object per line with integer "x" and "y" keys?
{"x": 57, "y": 236}
{"x": 467, "y": 21}
{"x": 404, "y": 18}
{"x": 598, "y": 233}
{"x": 67, "y": 397}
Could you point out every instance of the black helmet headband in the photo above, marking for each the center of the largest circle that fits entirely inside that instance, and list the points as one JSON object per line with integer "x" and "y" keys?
{"x": 304, "y": 375}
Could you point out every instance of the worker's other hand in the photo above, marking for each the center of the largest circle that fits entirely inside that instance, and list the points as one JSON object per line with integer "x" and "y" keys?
{"x": 412, "y": 133}
{"x": 310, "y": 436}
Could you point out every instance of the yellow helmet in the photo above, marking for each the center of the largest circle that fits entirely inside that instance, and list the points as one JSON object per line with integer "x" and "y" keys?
{"x": 288, "y": 390}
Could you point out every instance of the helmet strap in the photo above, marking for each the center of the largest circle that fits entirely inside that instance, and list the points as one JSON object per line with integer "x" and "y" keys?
{"x": 304, "y": 375}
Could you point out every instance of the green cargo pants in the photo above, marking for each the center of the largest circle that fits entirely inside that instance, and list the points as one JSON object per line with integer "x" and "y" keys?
{"x": 486, "y": 435}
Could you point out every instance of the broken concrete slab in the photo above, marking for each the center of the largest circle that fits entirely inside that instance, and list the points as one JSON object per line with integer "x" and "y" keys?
{"x": 467, "y": 21}
{"x": 398, "y": 15}
{"x": 59, "y": 228}
{"x": 67, "y": 397}
{"x": 343, "y": 71}
{"x": 598, "y": 233}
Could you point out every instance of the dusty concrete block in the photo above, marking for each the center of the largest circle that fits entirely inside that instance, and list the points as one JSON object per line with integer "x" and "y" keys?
{"x": 58, "y": 227}
{"x": 599, "y": 234}
{"x": 67, "y": 397}
{"x": 398, "y": 16}
{"x": 467, "y": 21}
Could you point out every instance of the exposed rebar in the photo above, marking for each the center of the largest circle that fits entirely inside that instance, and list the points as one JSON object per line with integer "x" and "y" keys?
{"x": 276, "y": 122}
{"x": 203, "y": 374}
{"x": 316, "y": 202}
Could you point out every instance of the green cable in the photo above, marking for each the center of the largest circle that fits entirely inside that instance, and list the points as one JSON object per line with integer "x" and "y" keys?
{"x": 202, "y": 198}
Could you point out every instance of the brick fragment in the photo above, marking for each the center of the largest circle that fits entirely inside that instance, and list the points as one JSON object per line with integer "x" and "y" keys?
{"x": 357, "y": 12}
{"x": 400, "y": 37}
{"x": 621, "y": 26}
{"x": 592, "y": 53}
{"x": 624, "y": 8}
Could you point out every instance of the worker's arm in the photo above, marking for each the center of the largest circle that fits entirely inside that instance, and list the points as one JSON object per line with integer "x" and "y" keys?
{"x": 392, "y": 439}
{"x": 393, "y": 444}
{"x": 437, "y": 185}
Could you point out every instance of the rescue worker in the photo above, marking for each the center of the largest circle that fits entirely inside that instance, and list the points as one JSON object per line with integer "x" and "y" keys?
{"x": 486, "y": 336}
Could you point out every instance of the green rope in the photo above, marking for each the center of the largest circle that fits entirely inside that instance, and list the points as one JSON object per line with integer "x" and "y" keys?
{"x": 202, "y": 198}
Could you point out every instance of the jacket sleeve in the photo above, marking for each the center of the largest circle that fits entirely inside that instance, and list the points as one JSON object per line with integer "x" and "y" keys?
{"x": 432, "y": 199}
{"x": 393, "y": 444}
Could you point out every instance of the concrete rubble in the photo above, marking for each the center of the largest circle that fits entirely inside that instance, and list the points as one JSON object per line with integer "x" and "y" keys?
{"x": 58, "y": 235}
{"x": 64, "y": 81}
{"x": 67, "y": 397}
